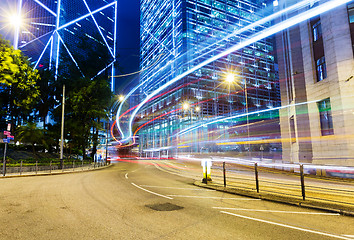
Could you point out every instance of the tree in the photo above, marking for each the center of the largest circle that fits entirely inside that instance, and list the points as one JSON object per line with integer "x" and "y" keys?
{"x": 87, "y": 104}
{"x": 30, "y": 133}
{"x": 47, "y": 88}
{"x": 18, "y": 89}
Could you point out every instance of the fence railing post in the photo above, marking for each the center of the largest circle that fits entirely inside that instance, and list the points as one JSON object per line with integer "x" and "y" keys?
{"x": 73, "y": 165}
{"x": 256, "y": 176}
{"x": 302, "y": 181}
{"x": 50, "y": 168}
{"x": 224, "y": 173}
{"x": 36, "y": 167}
{"x": 21, "y": 168}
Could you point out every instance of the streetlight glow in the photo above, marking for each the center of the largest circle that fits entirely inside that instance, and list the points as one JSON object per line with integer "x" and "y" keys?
{"x": 197, "y": 109}
{"x": 15, "y": 20}
{"x": 121, "y": 98}
{"x": 185, "y": 106}
{"x": 230, "y": 78}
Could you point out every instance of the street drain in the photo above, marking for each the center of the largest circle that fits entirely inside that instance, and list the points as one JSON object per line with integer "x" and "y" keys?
{"x": 164, "y": 207}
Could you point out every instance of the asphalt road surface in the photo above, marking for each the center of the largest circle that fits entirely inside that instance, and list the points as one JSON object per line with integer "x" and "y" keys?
{"x": 141, "y": 201}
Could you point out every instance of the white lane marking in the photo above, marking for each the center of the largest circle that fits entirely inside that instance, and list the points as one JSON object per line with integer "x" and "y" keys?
{"x": 349, "y": 236}
{"x": 287, "y": 226}
{"x": 196, "y": 189}
{"x": 170, "y": 172}
{"x": 184, "y": 196}
{"x": 275, "y": 211}
{"x": 160, "y": 195}
{"x": 126, "y": 176}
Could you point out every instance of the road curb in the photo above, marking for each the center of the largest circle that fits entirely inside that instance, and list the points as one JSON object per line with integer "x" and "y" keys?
{"x": 318, "y": 205}
{"x": 55, "y": 173}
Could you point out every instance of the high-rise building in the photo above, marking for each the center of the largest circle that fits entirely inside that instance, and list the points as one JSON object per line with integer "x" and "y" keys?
{"x": 176, "y": 36}
{"x": 52, "y": 30}
{"x": 316, "y": 81}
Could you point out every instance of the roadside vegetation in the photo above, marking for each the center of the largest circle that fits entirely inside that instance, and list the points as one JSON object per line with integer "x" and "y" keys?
{"x": 31, "y": 101}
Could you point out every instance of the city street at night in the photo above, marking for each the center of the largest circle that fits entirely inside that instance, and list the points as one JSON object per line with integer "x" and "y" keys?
{"x": 177, "y": 119}
{"x": 139, "y": 201}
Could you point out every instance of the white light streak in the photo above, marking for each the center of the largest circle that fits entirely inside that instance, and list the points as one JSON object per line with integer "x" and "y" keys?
{"x": 85, "y": 16}
{"x": 40, "y": 57}
{"x": 71, "y": 55}
{"x": 256, "y": 37}
{"x": 46, "y": 8}
{"x": 98, "y": 28}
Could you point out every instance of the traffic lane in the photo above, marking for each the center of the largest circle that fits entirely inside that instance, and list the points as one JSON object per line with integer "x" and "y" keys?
{"x": 300, "y": 219}
{"x": 105, "y": 205}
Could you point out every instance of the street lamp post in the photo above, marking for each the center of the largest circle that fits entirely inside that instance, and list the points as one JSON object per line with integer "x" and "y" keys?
{"x": 230, "y": 79}
{"x": 247, "y": 120}
{"x": 186, "y": 106}
{"x": 62, "y": 129}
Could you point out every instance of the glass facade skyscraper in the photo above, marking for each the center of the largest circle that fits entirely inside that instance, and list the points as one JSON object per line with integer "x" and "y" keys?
{"x": 53, "y": 29}
{"x": 178, "y": 35}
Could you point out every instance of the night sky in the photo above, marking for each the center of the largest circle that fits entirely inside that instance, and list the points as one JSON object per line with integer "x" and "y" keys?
{"x": 128, "y": 40}
{"x": 128, "y": 37}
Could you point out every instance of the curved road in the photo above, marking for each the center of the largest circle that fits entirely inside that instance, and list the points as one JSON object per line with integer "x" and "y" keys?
{"x": 139, "y": 201}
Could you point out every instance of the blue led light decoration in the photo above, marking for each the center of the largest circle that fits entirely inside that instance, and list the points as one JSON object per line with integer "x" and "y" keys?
{"x": 53, "y": 29}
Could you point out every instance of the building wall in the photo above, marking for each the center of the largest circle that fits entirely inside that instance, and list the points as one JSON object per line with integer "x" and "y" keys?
{"x": 50, "y": 34}
{"x": 336, "y": 148}
{"x": 183, "y": 37}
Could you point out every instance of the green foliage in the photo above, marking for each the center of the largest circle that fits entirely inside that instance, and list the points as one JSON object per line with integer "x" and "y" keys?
{"x": 27, "y": 95}
{"x": 18, "y": 89}
{"x": 30, "y": 133}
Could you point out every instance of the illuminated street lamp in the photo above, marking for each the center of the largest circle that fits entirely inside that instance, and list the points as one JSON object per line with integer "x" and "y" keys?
{"x": 185, "y": 106}
{"x": 121, "y": 98}
{"x": 230, "y": 79}
{"x": 15, "y": 20}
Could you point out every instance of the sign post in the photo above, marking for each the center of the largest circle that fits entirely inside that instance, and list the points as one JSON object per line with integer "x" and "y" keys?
{"x": 6, "y": 141}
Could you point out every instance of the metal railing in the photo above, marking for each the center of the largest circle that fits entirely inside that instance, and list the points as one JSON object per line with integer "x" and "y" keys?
{"x": 37, "y": 168}
{"x": 297, "y": 185}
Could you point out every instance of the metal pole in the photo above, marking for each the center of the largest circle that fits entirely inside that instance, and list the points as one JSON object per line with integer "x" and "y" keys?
{"x": 36, "y": 167}
{"x": 302, "y": 181}
{"x": 21, "y": 168}
{"x": 73, "y": 165}
{"x": 107, "y": 141}
{"x": 50, "y": 169}
{"x": 256, "y": 175}
{"x": 62, "y": 128}
{"x": 4, "y": 161}
{"x": 247, "y": 120}
{"x": 224, "y": 173}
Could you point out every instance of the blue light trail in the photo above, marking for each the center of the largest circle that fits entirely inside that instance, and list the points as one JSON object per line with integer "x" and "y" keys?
{"x": 256, "y": 37}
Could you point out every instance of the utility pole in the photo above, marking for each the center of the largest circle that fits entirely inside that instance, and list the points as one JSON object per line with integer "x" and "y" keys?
{"x": 62, "y": 128}
{"x": 108, "y": 127}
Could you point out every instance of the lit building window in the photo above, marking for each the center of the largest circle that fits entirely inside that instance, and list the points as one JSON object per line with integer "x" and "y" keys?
{"x": 317, "y": 30}
{"x": 324, "y": 108}
{"x": 321, "y": 69}
{"x": 318, "y": 49}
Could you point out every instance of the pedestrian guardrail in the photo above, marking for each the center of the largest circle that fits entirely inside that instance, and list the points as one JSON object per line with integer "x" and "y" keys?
{"x": 295, "y": 184}
{"x": 36, "y": 168}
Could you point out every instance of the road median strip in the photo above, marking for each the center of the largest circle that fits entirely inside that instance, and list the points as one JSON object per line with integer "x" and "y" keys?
{"x": 314, "y": 204}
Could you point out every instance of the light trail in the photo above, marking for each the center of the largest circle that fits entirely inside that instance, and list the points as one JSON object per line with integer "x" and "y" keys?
{"x": 262, "y": 21}
{"x": 256, "y": 37}
{"x": 242, "y": 115}
{"x": 176, "y": 88}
